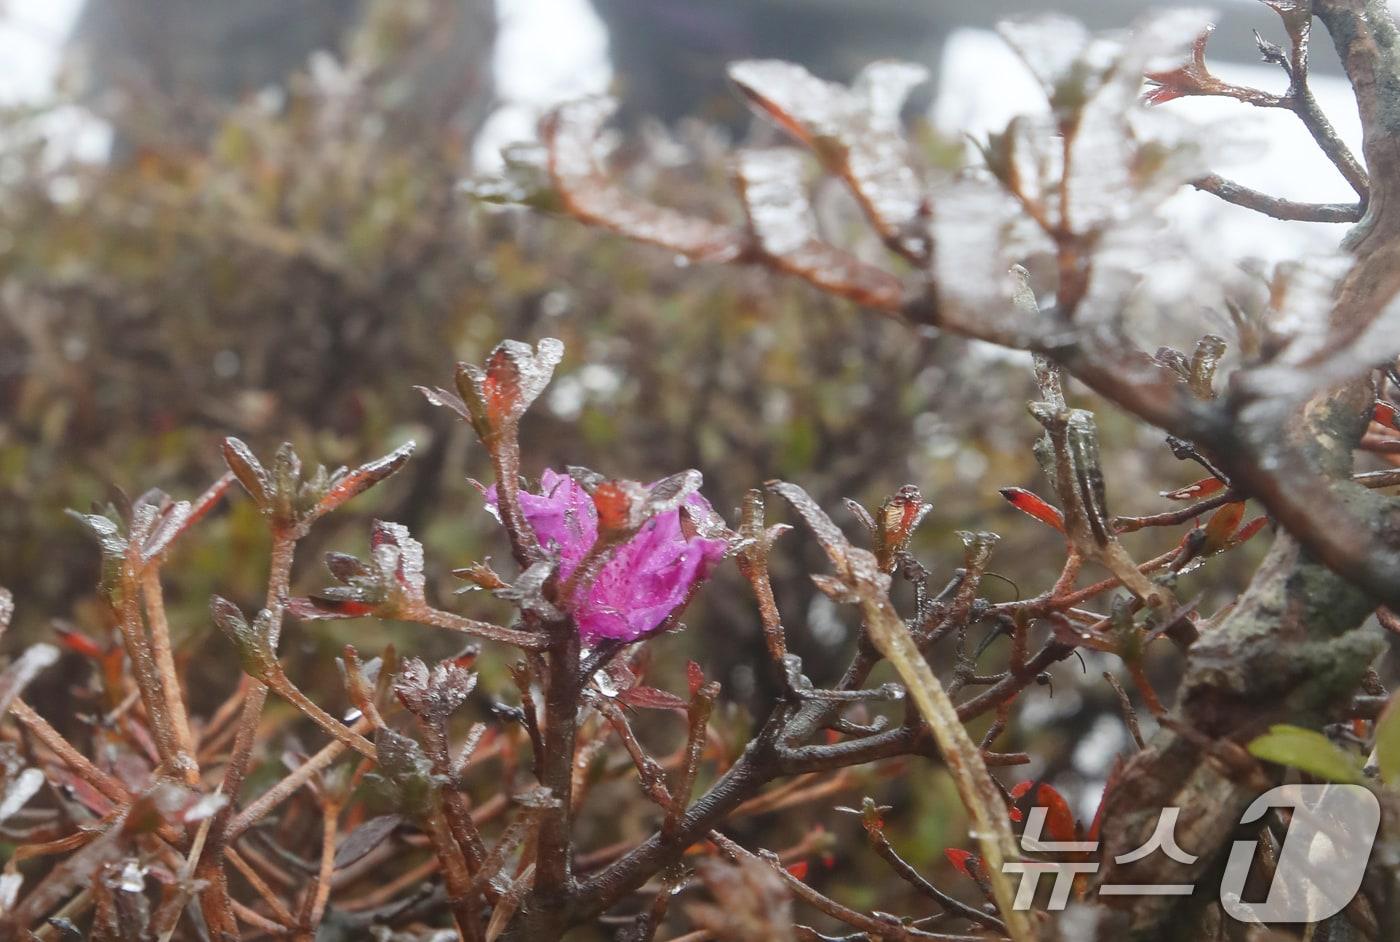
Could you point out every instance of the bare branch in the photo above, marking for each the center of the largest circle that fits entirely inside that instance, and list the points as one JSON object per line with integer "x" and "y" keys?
{"x": 1275, "y": 206}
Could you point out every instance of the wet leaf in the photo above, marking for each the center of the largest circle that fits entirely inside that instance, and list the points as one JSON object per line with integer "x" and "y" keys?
{"x": 694, "y": 677}
{"x": 1059, "y": 819}
{"x": 1308, "y": 751}
{"x": 1221, "y": 526}
{"x": 77, "y": 642}
{"x": 1032, "y": 505}
{"x": 1388, "y": 743}
{"x": 1247, "y": 532}
{"x": 1387, "y": 414}
{"x": 366, "y": 838}
{"x": 1197, "y": 489}
{"x": 965, "y": 862}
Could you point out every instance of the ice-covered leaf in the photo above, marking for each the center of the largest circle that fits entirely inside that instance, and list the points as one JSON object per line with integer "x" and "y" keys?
{"x": 249, "y": 472}
{"x": 1204, "y": 362}
{"x": 979, "y": 232}
{"x": 497, "y": 394}
{"x": 345, "y": 567}
{"x": 828, "y": 534}
{"x": 105, "y": 531}
{"x": 1113, "y": 176}
{"x": 320, "y": 608}
{"x": 522, "y": 181}
{"x": 23, "y": 670}
{"x": 404, "y": 778}
{"x": 404, "y": 563}
{"x": 694, "y": 677}
{"x": 527, "y": 592}
{"x": 438, "y": 396}
{"x": 177, "y": 517}
{"x": 18, "y": 792}
{"x": 170, "y": 521}
{"x": 650, "y": 698}
{"x": 1056, "y": 49}
{"x": 252, "y": 641}
{"x": 780, "y": 217}
{"x": 570, "y": 134}
{"x": 364, "y": 477}
{"x": 670, "y": 492}
{"x": 835, "y": 588}
{"x": 436, "y": 693}
{"x": 898, "y": 518}
{"x": 855, "y": 132}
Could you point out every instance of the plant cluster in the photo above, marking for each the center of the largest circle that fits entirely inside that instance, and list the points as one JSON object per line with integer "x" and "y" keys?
{"x": 436, "y": 804}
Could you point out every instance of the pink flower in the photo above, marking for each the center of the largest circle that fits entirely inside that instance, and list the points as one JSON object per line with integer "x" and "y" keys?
{"x": 646, "y": 578}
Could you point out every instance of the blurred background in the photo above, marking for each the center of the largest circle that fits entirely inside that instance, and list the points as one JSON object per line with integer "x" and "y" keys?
{"x": 247, "y": 218}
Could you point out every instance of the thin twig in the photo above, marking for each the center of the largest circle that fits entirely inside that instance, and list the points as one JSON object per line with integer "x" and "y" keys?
{"x": 154, "y": 598}
{"x": 1129, "y": 714}
{"x": 1274, "y": 206}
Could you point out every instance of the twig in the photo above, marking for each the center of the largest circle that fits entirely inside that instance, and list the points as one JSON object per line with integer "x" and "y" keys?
{"x": 1275, "y": 206}
{"x": 881, "y": 928}
{"x": 911, "y": 876}
{"x": 436, "y": 618}
{"x": 71, "y": 757}
{"x": 1129, "y": 714}
{"x": 165, "y": 663}
{"x": 330, "y": 813}
{"x": 215, "y": 898}
{"x": 288, "y": 785}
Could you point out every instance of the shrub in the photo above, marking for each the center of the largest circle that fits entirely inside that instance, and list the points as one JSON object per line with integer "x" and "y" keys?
{"x": 434, "y": 803}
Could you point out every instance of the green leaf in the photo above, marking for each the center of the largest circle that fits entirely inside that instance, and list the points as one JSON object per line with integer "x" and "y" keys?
{"x": 1308, "y": 751}
{"x": 1388, "y": 743}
